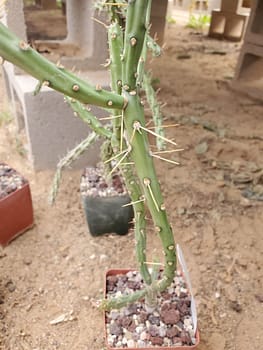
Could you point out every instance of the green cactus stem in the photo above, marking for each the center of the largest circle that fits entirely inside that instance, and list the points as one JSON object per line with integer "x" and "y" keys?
{"x": 87, "y": 116}
{"x": 115, "y": 38}
{"x": 153, "y": 47}
{"x": 155, "y": 109}
{"x": 23, "y": 56}
{"x": 145, "y": 170}
{"x": 133, "y": 41}
{"x": 140, "y": 152}
{"x": 67, "y": 160}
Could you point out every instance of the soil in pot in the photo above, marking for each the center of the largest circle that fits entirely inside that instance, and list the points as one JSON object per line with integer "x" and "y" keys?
{"x": 105, "y": 203}
{"x": 16, "y": 211}
{"x": 169, "y": 326}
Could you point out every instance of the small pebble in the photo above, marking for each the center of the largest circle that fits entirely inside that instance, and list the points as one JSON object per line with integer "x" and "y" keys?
{"x": 139, "y": 329}
{"x": 141, "y": 344}
{"x": 144, "y": 335}
{"x": 130, "y": 343}
{"x": 10, "y": 286}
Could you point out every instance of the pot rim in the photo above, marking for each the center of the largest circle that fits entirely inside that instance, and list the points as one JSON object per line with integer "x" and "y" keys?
{"x": 26, "y": 183}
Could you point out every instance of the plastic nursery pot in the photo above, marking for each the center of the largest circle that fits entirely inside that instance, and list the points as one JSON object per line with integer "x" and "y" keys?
{"x": 104, "y": 208}
{"x": 115, "y": 272}
{"x": 16, "y": 210}
{"x": 107, "y": 214}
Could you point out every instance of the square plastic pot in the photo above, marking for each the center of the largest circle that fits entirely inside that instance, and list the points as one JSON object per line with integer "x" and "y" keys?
{"x": 16, "y": 214}
{"x": 108, "y": 214}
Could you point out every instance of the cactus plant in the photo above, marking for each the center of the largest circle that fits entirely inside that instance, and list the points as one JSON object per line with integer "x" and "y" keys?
{"x": 128, "y": 134}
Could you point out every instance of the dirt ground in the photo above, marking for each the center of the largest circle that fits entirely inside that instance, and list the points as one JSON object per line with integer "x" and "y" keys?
{"x": 215, "y": 206}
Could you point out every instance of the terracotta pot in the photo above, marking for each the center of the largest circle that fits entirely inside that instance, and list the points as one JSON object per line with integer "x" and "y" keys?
{"x": 16, "y": 213}
{"x": 114, "y": 272}
{"x": 107, "y": 214}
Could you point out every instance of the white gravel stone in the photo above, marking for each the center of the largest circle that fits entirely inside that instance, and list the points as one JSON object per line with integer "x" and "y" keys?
{"x": 114, "y": 314}
{"x": 131, "y": 343}
{"x": 124, "y": 341}
{"x": 170, "y": 290}
{"x": 141, "y": 344}
{"x": 139, "y": 329}
{"x": 162, "y": 331}
{"x": 130, "y": 274}
{"x": 148, "y": 324}
{"x": 143, "y": 335}
{"x": 188, "y": 322}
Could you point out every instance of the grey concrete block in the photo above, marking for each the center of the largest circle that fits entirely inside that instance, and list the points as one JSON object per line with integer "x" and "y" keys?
{"x": 50, "y": 125}
{"x": 47, "y": 4}
{"x": 254, "y": 32}
{"x": 249, "y": 71}
{"x": 227, "y": 25}
{"x": 199, "y": 6}
{"x": 231, "y": 6}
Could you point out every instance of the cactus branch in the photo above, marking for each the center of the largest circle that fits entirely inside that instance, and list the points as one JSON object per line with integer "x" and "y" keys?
{"x": 134, "y": 119}
{"x": 67, "y": 160}
{"x": 87, "y": 116}
{"x": 156, "y": 110}
{"x": 133, "y": 41}
{"x": 115, "y": 38}
{"x": 22, "y": 55}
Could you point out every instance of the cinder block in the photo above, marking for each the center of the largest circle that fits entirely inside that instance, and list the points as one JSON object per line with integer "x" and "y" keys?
{"x": 50, "y": 125}
{"x": 47, "y": 4}
{"x": 217, "y": 25}
{"x": 227, "y": 25}
{"x": 231, "y": 5}
{"x": 201, "y": 6}
{"x": 254, "y": 32}
{"x": 235, "y": 27}
{"x": 249, "y": 71}
{"x": 14, "y": 19}
{"x": 158, "y": 19}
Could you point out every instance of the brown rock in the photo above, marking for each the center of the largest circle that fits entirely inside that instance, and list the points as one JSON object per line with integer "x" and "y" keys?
{"x": 156, "y": 340}
{"x": 172, "y": 332}
{"x": 170, "y": 314}
{"x": 185, "y": 338}
{"x": 111, "y": 282}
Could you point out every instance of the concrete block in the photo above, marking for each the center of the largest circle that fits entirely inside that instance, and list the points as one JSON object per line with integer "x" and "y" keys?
{"x": 86, "y": 37}
{"x": 249, "y": 71}
{"x": 50, "y": 126}
{"x": 231, "y": 5}
{"x": 13, "y": 18}
{"x": 158, "y": 29}
{"x": 196, "y": 6}
{"x": 47, "y": 4}
{"x": 226, "y": 25}
{"x": 254, "y": 32}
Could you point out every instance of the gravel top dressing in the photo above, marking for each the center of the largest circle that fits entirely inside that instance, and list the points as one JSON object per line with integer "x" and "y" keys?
{"x": 94, "y": 184}
{"x": 135, "y": 327}
{"x": 10, "y": 180}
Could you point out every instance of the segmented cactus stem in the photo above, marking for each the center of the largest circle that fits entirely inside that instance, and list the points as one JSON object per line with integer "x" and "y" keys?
{"x": 22, "y": 55}
{"x": 71, "y": 156}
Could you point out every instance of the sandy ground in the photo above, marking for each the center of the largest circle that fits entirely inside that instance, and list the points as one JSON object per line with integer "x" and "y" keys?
{"x": 56, "y": 268}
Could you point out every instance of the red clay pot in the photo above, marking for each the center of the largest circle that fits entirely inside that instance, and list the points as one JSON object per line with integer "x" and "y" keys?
{"x": 16, "y": 214}
{"x": 113, "y": 272}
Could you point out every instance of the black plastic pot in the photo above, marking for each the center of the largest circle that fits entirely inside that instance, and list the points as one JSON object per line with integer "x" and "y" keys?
{"x": 107, "y": 214}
